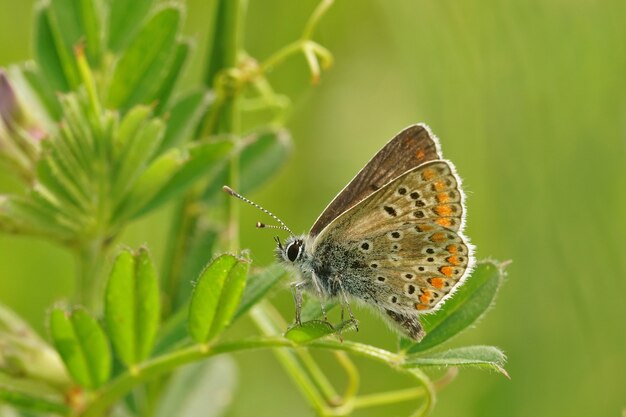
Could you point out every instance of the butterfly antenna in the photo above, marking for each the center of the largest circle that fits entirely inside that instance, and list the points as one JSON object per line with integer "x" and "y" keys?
{"x": 260, "y": 225}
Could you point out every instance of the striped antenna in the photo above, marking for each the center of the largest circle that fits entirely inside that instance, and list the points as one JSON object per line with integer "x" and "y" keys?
{"x": 260, "y": 225}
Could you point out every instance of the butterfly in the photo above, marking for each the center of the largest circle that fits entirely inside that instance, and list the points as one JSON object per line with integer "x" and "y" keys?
{"x": 392, "y": 238}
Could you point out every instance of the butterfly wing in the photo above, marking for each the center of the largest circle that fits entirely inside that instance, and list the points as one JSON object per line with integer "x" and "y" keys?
{"x": 408, "y": 149}
{"x": 409, "y": 236}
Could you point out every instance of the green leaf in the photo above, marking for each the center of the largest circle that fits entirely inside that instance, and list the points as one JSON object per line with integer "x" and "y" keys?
{"x": 309, "y": 330}
{"x": 83, "y": 346}
{"x": 136, "y": 153}
{"x": 184, "y": 117}
{"x": 193, "y": 387}
{"x": 149, "y": 185}
{"x": 30, "y": 395}
{"x": 132, "y": 306}
{"x": 466, "y": 306}
{"x": 23, "y": 215}
{"x": 76, "y": 21}
{"x": 258, "y": 285}
{"x": 230, "y": 298}
{"x": 90, "y": 12}
{"x": 38, "y": 84}
{"x": 469, "y": 356}
{"x": 46, "y": 51}
{"x": 125, "y": 18}
{"x": 314, "y": 329}
{"x": 172, "y": 75}
{"x": 205, "y": 159}
{"x": 140, "y": 68}
{"x": 129, "y": 128}
{"x": 261, "y": 157}
{"x": 216, "y": 296}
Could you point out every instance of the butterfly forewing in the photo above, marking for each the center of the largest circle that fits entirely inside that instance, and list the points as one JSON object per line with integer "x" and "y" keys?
{"x": 409, "y": 235}
{"x": 407, "y": 150}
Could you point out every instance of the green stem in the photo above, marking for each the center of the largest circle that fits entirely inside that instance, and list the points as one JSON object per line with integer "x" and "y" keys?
{"x": 391, "y": 397}
{"x": 264, "y": 316}
{"x": 110, "y": 393}
{"x": 88, "y": 278}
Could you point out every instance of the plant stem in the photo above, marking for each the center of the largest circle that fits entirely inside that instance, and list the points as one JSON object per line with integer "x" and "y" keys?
{"x": 88, "y": 278}
{"x": 391, "y": 397}
{"x": 263, "y": 316}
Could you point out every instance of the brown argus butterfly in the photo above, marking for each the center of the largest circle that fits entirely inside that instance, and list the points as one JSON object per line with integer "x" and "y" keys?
{"x": 392, "y": 238}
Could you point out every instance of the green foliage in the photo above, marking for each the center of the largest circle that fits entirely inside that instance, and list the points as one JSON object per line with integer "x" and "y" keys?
{"x": 83, "y": 346}
{"x": 98, "y": 137}
{"x": 467, "y": 305}
{"x": 216, "y": 296}
{"x": 132, "y": 306}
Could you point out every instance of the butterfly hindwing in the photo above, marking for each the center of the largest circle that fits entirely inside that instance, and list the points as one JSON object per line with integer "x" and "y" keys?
{"x": 408, "y": 149}
{"x": 409, "y": 235}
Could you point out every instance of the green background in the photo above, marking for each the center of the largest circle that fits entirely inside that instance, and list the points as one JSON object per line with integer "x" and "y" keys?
{"x": 528, "y": 98}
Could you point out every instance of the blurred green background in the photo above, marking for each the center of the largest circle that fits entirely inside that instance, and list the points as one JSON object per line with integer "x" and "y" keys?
{"x": 528, "y": 98}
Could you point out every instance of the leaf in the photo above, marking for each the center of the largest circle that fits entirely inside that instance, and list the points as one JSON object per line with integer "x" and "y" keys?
{"x": 23, "y": 215}
{"x": 262, "y": 156}
{"x": 258, "y": 285}
{"x": 129, "y": 127}
{"x": 30, "y": 395}
{"x": 184, "y": 117}
{"x": 230, "y": 298}
{"x": 132, "y": 306}
{"x": 215, "y": 298}
{"x": 193, "y": 387}
{"x": 149, "y": 185}
{"x": 136, "y": 153}
{"x": 469, "y": 356}
{"x": 467, "y": 305}
{"x": 46, "y": 52}
{"x": 38, "y": 84}
{"x": 125, "y": 17}
{"x": 140, "y": 68}
{"x": 76, "y": 21}
{"x": 205, "y": 159}
{"x": 172, "y": 75}
{"x": 83, "y": 346}
{"x": 314, "y": 329}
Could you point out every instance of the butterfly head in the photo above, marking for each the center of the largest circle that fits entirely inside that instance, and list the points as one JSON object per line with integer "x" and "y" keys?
{"x": 292, "y": 251}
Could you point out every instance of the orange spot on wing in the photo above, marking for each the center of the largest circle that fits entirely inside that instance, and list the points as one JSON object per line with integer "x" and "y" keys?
{"x": 437, "y": 283}
{"x": 425, "y": 297}
{"x": 439, "y": 185}
{"x": 453, "y": 260}
{"x": 424, "y": 228}
{"x": 428, "y": 174}
{"x": 443, "y": 222}
{"x": 446, "y": 270}
{"x": 419, "y": 306}
{"x": 438, "y": 237}
{"x": 419, "y": 154}
{"x": 451, "y": 248}
{"x": 443, "y": 210}
{"x": 443, "y": 197}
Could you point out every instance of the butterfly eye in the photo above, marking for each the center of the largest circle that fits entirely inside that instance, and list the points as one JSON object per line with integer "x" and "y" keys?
{"x": 293, "y": 250}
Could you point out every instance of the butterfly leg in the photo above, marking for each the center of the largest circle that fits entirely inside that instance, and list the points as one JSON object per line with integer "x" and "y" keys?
{"x": 320, "y": 296}
{"x": 296, "y": 292}
{"x": 346, "y": 304}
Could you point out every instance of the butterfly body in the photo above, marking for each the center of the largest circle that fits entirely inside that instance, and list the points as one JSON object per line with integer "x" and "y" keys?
{"x": 392, "y": 238}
